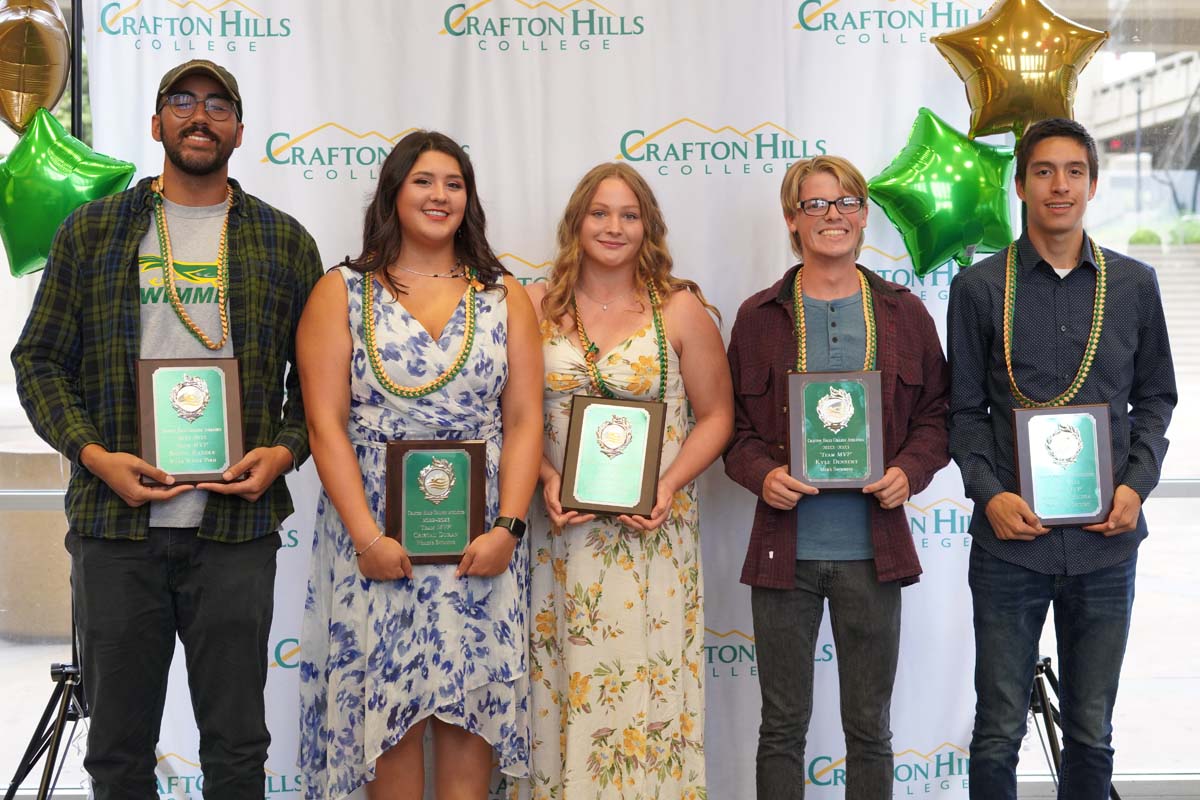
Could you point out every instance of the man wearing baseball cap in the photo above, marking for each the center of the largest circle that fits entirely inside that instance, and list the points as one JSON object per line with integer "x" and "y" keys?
{"x": 184, "y": 265}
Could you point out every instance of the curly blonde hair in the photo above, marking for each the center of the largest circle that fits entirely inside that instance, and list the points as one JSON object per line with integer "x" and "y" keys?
{"x": 654, "y": 260}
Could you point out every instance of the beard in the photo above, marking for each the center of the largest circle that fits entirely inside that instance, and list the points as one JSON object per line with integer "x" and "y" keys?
{"x": 193, "y": 163}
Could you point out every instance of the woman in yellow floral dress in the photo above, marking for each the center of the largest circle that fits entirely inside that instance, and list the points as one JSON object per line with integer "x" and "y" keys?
{"x": 618, "y": 626}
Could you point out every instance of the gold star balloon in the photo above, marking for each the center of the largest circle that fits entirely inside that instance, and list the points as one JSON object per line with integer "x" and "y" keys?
{"x": 35, "y": 59}
{"x": 1020, "y": 63}
{"x": 49, "y": 174}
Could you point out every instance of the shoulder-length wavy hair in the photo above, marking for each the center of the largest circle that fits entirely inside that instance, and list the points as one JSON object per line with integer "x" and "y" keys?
{"x": 382, "y": 235}
{"x": 653, "y": 261}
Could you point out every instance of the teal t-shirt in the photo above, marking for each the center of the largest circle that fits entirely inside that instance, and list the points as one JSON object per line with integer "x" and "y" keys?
{"x": 836, "y": 524}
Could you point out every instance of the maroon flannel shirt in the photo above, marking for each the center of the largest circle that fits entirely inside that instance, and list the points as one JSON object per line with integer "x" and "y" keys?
{"x": 916, "y": 388}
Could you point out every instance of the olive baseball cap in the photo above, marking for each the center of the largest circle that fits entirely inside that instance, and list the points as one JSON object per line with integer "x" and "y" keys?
{"x": 200, "y": 66}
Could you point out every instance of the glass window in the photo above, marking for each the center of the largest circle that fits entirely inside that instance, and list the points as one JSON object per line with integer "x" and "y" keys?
{"x": 1140, "y": 98}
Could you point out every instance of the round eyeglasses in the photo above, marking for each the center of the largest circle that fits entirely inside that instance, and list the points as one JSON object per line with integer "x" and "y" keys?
{"x": 818, "y": 206}
{"x": 183, "y": 105}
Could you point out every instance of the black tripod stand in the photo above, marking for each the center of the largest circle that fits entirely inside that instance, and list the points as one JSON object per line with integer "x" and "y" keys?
{"x": 1045, "y": 710}
{"x": 66, "y": 704}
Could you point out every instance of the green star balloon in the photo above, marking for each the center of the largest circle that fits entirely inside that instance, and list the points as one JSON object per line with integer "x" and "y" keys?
{"x": 48, "y": 175}
{"x": 946, "y": 194}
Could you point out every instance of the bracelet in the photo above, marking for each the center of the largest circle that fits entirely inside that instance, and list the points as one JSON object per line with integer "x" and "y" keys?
{"x": 358, "y": 554}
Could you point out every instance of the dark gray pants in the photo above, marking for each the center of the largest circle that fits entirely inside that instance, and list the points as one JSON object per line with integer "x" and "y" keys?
{"x": 865, "y": 617}
{"x": 131, "y": 599}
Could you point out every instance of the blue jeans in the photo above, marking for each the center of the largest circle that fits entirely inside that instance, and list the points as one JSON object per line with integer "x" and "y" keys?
{"x": 1091, "y": 621}
{"x": 865, "y": 617}
{"x": 131, "y": 600}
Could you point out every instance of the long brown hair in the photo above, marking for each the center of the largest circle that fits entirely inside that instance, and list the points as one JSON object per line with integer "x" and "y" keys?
{"x": 382, "y": 235}
{"x": 654, "y": 259}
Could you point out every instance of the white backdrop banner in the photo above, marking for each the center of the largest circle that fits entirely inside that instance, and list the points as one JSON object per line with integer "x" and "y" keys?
{"x": 712, "y": 102}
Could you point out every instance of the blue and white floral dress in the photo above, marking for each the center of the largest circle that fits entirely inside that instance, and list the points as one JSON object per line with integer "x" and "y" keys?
{"x": 379, "y": 656}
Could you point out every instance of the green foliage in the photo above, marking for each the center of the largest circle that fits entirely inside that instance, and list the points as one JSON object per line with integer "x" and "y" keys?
{"x": 1145, "y": 236}
{"x": 1186, "y": 231}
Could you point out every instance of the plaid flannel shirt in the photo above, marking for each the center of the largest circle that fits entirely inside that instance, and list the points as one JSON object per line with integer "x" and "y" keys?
{"x": 916, "y": 388}
{"x": 76, "y": 358}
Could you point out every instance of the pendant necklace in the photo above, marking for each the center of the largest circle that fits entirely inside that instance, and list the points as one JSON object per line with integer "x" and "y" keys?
{"x": 591, "y": 352}
{"x": 454, "y": 272}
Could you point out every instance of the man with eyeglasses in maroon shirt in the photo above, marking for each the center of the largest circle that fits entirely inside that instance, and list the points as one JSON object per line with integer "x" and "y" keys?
{"x": 850, "y": 548}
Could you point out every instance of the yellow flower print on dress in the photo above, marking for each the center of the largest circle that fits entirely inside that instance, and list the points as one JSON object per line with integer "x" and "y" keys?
{"x": 633, "y": 743}
{"x": 649, "y": 605}
{"x": 578, "y": 692}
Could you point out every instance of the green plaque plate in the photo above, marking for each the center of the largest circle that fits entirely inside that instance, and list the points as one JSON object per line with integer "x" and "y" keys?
{"x": 835, "y": 425}
{"x": 189, "y": 414}
{"x": 435, "y": 497}
{"x": 614, "y": 449}
{"x": 1064, "y": 461}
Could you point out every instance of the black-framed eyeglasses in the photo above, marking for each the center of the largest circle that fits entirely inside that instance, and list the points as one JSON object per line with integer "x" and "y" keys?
{"x": 183, "y": 105}
{"x": 818, "y": 206}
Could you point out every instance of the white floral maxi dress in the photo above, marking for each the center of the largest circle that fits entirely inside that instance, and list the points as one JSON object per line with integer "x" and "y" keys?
{"x": 616, "y": 649}
{"x": 379, "y": 656}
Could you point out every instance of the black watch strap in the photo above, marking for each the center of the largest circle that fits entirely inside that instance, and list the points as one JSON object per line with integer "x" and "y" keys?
{"x": 515, "y": 526}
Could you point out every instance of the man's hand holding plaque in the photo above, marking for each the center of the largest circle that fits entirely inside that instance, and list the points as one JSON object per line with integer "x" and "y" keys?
{"x": 1064, "y": 463}
{"x": 190, "y": 418}
{"x": 835, "y": 424}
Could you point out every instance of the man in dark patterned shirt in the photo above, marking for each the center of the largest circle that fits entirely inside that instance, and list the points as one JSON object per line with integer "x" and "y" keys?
{"x": 186, "y": 265}
{"x": 1019, "y": 566}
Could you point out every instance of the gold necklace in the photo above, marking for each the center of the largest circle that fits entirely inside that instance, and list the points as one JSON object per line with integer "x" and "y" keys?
{"x": 801, "y": 330}
{"x": 1089, "y": 349}
{"x": 603, "y": 306}
{"x": 376, "y": 361}
{"x": 168, "y": 268}
{"x": 454, "y": 272}
{"x": 591, "y": 352}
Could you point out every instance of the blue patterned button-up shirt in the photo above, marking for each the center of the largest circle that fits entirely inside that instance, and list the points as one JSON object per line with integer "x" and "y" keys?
{"x": 1132, "y": 373}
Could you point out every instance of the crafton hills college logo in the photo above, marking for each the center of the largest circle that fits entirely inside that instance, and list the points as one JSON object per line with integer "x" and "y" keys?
{"x": 733, "y": 654}
{"x": 191, "y": 26}
{"x": 525, "y": 270}
{"x": 521, "y": 26}
{"x": 179, "y": 777}
{"x": 331, "y": 151}
{"x": 885, "y": 22}
{"x": 688, "y": 146}
{"x": 915, "y": 771}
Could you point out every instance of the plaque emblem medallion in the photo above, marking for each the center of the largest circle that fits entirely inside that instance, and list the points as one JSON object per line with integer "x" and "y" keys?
{"x": 1064, "y": 445}
{"x": 835, "y": 410}
{"x": 436, "y": 479}
{"x": 614, "y": 435}
{"x": 190, "y": 397}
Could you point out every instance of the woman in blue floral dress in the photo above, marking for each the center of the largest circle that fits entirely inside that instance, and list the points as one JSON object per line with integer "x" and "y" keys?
{"x": 390, "y": 648}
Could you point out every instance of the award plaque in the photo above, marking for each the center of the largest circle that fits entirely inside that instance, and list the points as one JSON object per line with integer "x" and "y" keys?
{"x": 614, "y": 448}
{"x": 435, "y": 497}
{"x": 190, "y": 416}
{"x": 835, "y": 429}
{"x": 1064, "y": 463}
